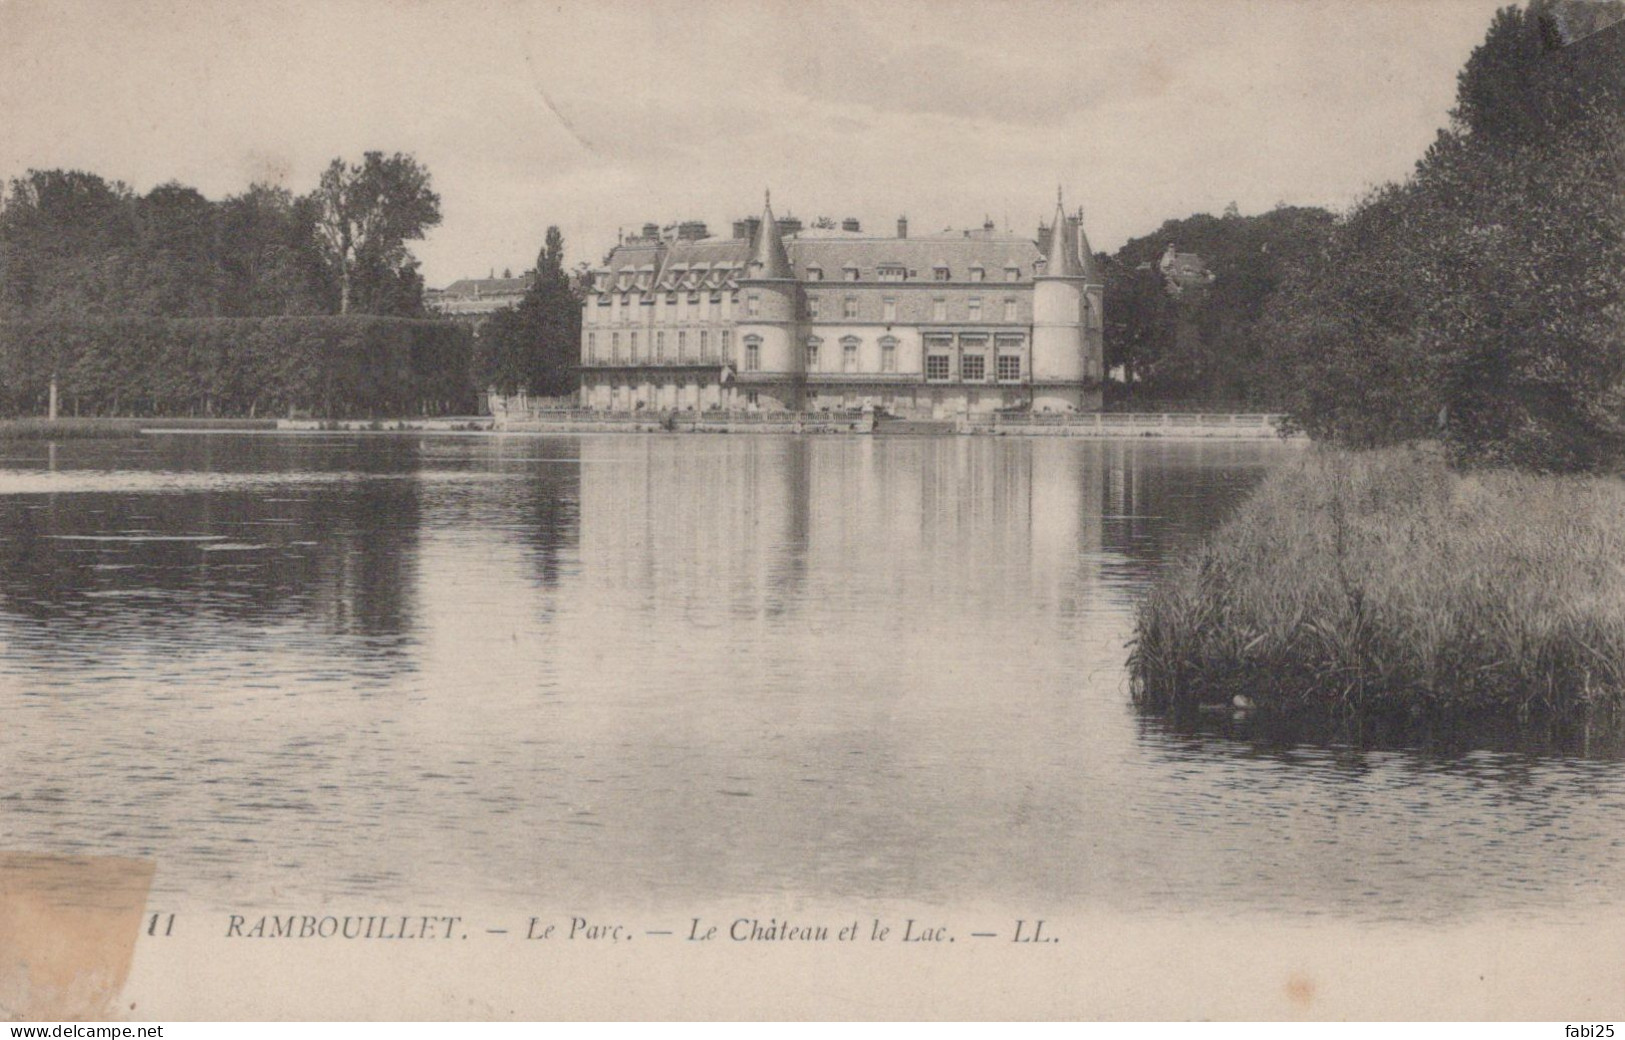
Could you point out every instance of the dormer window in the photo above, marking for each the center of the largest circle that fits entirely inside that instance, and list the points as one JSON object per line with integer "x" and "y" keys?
{"x": 1012, "y": 274}
{"x": 977, "y": 274}
{"x": 939, "y": 273}
{"x": 892, "y": 272}
{"x": 815, "y": 274}
{"x": 849, "y": 273}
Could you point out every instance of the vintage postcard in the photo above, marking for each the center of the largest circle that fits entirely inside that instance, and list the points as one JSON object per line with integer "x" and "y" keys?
{"x": 834, "y": 510}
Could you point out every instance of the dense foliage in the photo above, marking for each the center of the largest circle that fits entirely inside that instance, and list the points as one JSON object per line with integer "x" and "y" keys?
{"x": 169, "y": 304}
{"x": 1483, "y": 300}
{"x": 533, "y": 347}
{"x": 75, "y": 246}
{"x": 1202, "y": 344}
{"x": 327, "y": 366}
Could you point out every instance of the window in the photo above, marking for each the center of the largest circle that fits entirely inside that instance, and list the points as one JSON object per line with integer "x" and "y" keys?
{"x": 1012, "y": 274}
{"x": 977, "y": 274}
{"x": 815, "y": 274}
{"x": 753, "y": 305}
{"x": 753, "y": 354}
{"x": 812, "y": 306}
{"x": 888, "y": 354}
{"x": 849, "y": 307}
{"x": 973, "y": 368}
{"x": 705, "y": 344}
{"x": 615, "y": 346}
{"x": 849, "y": 355}
{"x": 682, "y": 345}
{"x": 890, "y": 308}
{"x": 1009, "y": 367}
{"x": 660, "y": 346}
{"x": 939, "y": 309}
{"x": 632, "y": 344}
{"x": 589, "y": 314}
{"x": 671, "y": 299}
{"x": 892, "y": 273}
{"x": 1009, "y": 310}
{"x": 751, "y": 398}
{"x": 812, "y": 353}
{"x": 936, "y": 368}
{"x": 592, "y": 345}
{"x": 973, "y": 308}
{"x": 727, "y": 345}
{"x": 716, "y": 306}
{"x": 939, "y": 274}
{"x": 849, "y": 273}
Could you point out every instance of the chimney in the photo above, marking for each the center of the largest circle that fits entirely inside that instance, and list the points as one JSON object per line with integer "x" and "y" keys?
{"x": 746, "y": 228}
{"x": 789, "y": 225}
{"x": 691, "y": 229}
{"x": 987, "y": 225}
{"x": 902, "y": 227}
{"x": 651, "y": 231}
{"x": 851, "y": 224}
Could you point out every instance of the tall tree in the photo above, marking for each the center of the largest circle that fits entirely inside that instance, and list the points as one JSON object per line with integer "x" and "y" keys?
{"x": 534, "y": 346}
{"x": 269, "y": 259}
{"x": 1192, "y": 340}
{"x": 1484, "y": 299}
{"x": 368, "y": 211}
{"x": 67, "y": 236}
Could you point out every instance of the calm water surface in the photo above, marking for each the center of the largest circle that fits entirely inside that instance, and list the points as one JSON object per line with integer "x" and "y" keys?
{"x": 664, "y": 668}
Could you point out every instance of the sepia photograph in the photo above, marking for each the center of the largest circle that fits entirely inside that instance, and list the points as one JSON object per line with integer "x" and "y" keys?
{"x": 1018, "y": 510}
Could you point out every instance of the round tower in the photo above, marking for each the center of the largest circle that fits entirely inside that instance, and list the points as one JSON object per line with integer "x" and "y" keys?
{"x": 1060, "y": 355}
{"x": 769, "y": 302}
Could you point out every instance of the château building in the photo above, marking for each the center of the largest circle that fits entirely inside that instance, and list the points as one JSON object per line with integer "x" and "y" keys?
{"x": 476, "y": 299}
{"x": 808, "y": 319}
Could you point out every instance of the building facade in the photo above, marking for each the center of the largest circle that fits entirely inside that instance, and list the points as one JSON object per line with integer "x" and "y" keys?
{"x": 780, "y": 317}
{"x": 476, "y": 299}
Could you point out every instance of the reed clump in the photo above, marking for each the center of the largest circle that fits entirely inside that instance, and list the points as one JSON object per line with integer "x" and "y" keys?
{"x": 1354, "y": 585}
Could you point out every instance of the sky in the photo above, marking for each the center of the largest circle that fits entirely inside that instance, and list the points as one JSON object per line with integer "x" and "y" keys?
{"x": 605, "y": 115}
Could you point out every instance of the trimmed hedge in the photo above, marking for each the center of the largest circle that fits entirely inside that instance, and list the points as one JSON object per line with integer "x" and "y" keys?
{"x": 340, "y": 366}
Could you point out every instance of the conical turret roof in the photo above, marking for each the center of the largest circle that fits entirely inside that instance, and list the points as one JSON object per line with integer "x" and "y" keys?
{"x": 767, "y": 256}
{"x": 1061, "y": 251}
{"x": 1091, "y": 268}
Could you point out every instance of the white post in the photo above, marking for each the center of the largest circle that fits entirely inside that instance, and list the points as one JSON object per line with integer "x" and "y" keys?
{"x": 53, "y": 397}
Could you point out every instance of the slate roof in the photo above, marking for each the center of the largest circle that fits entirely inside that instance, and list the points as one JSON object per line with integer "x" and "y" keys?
{"x": 767, "y": 256}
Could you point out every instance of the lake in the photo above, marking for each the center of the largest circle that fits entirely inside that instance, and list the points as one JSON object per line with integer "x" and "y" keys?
{"x": 660, "y": 668}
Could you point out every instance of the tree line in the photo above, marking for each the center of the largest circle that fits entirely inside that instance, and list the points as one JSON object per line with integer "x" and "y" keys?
{"x": 1480, "y": 302}
{"x": 74, "y": 245}
{"x": 168, "y": 303}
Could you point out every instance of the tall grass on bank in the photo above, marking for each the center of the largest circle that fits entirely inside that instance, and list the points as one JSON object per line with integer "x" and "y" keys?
{"x": 1371, "y": 584}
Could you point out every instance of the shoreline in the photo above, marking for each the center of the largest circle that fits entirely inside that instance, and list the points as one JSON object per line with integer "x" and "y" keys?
{"x": 1116, "y": 426}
